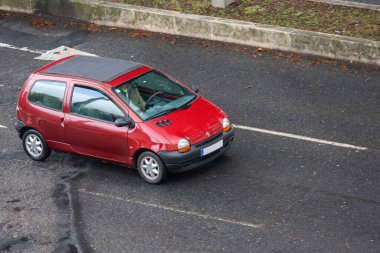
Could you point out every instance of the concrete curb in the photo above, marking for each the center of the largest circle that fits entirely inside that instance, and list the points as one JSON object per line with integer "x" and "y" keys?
{"x": 349, "y": 4}
{"x": 24, "y": 6}
{"x": 211, "y": 28}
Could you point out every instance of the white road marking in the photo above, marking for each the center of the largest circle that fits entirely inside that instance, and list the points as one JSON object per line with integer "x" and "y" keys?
{"x": 299, "y": 137}
{"x": 25, "y": 49}
{"x": 61, "y": 52}
{"x": 175, "y": 209}
{"x": 50, "y": 55}
{"x": 1, "y": 126}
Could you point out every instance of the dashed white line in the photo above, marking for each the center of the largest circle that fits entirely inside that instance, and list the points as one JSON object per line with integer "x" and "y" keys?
{"x": 25, "y": 49}
{"x": 299, "y": 137}
{"x": 1, "y": 126}
{"x": 175, "y": 209}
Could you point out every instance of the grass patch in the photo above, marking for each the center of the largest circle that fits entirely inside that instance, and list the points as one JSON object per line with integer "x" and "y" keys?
{"x": 300, "y": 14}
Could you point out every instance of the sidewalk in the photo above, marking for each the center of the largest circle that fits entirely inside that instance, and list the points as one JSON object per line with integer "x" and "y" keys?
{"x": 310, "y": 15}
{"x": 227, "y": 30}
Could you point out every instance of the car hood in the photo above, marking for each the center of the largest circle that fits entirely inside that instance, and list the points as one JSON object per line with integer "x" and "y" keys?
{"x": 196, "y": 123}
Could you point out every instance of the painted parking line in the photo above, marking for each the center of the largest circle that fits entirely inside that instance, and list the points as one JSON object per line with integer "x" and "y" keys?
{"x": 61, "y": 52}
{"x": 49, "y": 55}
{"x": 300, "y": 137}
{"x": 25, "y": 49}
{"x": 1, "y": 126}
{"x": 174, "y": 209}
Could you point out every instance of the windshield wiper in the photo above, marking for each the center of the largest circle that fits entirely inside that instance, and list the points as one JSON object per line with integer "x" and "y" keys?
{"x": 184, "y": 106}
{"x": 162, "y": 113}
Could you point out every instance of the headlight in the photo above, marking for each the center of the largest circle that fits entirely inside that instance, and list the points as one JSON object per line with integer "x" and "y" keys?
{"x": 183, "y": 145}
{"x": 226, "y": 125}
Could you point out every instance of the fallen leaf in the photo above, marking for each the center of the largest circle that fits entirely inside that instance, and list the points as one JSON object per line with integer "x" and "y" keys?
{"x": 93, "y": 28}
{"x": 174, "y": 41}
{"x": 322, "y": 61}
{"x": 344, "y": 66}
{"x": 140, "y": 34}
{"x": 294, "y": 58}
{"x": 41, "y": 23}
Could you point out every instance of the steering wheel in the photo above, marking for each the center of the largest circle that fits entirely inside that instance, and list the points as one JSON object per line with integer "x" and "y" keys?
{"x": 147, "y": 103}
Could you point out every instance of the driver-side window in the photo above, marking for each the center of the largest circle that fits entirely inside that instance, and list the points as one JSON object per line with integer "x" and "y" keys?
{"x": 94, "y": 104}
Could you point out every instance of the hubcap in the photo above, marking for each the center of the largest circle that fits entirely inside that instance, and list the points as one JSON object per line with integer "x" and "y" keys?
{"x": 34, "y": 145}
{"x": 150, "y": 168}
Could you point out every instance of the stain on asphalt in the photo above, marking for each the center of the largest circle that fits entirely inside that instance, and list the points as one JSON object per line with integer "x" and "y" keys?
{"x": 12, "y": 155}
{"x": 78, "y": 161}
{"x": 52, "y": 37}
{"x": 18, "y": 209}
{"x": 13, "y": 201}
{"x": 69, "y": 239}
{"x": 13, "y": 244}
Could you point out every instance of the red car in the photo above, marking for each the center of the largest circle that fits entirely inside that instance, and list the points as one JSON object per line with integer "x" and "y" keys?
{"x": 120, "y": 111}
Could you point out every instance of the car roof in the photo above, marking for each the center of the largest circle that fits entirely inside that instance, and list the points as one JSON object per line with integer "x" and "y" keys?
{"x": 96, "y": 68}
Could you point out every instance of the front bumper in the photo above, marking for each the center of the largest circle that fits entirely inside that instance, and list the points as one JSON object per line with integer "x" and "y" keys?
{"x": 178, "y": 162}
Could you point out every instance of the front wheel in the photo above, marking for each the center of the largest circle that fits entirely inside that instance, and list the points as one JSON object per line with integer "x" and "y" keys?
{"x": 35, "y": 145}
{"x": 151, "y": 168}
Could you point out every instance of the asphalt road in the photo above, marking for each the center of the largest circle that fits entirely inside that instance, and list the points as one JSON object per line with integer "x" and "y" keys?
{"x": 267, "y": 194}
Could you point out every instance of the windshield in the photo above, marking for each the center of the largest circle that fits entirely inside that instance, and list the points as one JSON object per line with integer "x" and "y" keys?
{"x": 153, "y": 94}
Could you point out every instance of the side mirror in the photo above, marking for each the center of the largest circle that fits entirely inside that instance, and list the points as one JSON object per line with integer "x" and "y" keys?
{"x": 195, "y": 88}
{"x": 121, "y": 122}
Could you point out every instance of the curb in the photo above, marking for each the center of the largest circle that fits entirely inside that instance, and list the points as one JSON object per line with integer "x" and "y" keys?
{"x": 204, "y": 27}
{"x": 350, "y": 4}
{"x": 24, "y": 6}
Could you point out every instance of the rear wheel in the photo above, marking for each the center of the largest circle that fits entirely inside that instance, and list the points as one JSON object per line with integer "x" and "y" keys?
{"x": 35, "y": 145}
{"x": 151, "y": 168}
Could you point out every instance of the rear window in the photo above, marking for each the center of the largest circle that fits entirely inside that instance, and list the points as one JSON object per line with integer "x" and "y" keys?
{"x": 48, "y": 94}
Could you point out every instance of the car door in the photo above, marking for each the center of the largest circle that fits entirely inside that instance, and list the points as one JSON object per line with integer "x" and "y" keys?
{"x": 89, "y": 125}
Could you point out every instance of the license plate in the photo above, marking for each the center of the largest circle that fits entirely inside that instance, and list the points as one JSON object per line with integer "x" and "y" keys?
{"x": 212, "y": 148}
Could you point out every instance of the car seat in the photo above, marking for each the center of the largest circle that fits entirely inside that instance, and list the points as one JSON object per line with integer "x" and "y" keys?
{"x": 135, "y": 97}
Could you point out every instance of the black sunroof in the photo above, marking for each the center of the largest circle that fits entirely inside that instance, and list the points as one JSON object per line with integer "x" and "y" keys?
{"x": 97, "y": 68}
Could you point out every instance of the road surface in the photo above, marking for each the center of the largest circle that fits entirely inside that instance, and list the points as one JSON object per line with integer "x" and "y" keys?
{"x": 269, "y": 193}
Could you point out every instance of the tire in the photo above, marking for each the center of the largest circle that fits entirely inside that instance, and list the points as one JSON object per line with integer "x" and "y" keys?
{"x": 151, "y": 168}
{"x": 35, "y": 145}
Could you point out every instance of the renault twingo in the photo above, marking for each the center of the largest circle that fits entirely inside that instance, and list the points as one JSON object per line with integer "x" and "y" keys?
{"x": 120, "y": 111}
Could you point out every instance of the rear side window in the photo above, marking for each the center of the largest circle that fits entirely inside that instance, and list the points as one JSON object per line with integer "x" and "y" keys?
{"x": 94, "y": 104}
{"x": 48, "y": 94}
